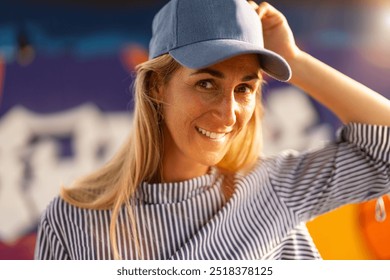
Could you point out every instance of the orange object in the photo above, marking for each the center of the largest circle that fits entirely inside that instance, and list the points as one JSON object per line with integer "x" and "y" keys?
{"x": 133, "y": 55}
{"x": 376, "y": 232}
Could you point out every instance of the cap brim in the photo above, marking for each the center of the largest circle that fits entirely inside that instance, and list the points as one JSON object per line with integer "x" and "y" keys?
{"x": 206, "y": 53}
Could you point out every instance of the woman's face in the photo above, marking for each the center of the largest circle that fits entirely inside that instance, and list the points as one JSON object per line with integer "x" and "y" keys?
{"x": 204, "y": 109}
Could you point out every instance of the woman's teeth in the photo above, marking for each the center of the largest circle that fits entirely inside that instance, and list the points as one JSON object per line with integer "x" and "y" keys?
{"x": 212, "y": 135}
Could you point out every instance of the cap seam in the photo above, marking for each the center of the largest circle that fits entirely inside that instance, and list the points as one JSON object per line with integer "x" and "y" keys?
{"x": 230, "y": 39}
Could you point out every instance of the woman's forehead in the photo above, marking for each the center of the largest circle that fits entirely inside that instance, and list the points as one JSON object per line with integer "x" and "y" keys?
{"x": 246, "y": 65}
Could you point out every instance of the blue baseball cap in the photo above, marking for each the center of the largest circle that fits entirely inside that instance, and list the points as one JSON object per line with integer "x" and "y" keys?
{"x": 199, "y": 33}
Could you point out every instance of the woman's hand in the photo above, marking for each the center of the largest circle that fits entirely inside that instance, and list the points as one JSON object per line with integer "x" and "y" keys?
{"x": 278, "y": 36}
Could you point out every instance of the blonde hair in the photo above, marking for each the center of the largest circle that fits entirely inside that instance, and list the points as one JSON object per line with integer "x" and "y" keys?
{"x": 140, "y": 158}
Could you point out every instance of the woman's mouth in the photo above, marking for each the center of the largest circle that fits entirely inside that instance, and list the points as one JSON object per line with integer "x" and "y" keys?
{"x": 210, "y": 134}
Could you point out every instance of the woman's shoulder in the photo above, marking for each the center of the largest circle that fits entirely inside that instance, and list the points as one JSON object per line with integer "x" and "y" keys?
{"x": 59, "y": 210}
{"x": 55, "y": 208}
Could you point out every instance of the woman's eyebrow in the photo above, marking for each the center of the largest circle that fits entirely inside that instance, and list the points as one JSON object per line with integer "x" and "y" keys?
{"x": 220, "y": 75}
{"x": 212, "y": 72}
{"x": 250, "y": 77}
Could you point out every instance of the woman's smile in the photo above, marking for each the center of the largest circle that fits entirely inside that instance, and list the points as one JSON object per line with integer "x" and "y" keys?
{"x": 216, "y": 136}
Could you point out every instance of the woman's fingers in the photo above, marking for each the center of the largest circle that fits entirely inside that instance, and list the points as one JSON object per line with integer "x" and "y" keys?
{"x": 254, "y": 5}
{"x": 263, "y": 9}
{"x": 277, "y": 34}
{"x": 268, "y": 14}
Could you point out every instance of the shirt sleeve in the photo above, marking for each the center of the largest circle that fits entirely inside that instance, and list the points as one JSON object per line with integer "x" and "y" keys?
{"x": 353, "y": 169}
{"x": 48, "y": 246}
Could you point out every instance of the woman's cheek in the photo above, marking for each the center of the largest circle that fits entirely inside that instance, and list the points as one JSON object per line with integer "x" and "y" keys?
{"x": 249, "y": 109}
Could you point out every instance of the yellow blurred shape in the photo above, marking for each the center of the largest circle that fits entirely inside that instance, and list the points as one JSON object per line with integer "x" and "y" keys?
{"x": 338, "y": 235}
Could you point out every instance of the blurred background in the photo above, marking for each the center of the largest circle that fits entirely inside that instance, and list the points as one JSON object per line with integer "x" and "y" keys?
{"x": 66, "y": 69}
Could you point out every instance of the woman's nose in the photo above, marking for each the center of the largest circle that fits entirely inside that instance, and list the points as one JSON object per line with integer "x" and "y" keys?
{"x": 227, "y": 109}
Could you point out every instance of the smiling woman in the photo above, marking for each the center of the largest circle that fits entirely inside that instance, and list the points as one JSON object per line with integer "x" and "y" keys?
{"x": 190, "y": 182}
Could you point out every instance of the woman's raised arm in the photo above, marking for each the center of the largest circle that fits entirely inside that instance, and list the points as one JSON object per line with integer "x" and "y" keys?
{"x": 348, "y": 99}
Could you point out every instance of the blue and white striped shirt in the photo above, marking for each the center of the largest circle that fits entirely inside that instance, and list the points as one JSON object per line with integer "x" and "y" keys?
{"x": 264, "y": 219}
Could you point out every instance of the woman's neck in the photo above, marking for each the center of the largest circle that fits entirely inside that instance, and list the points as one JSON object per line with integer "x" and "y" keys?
{"x": 175, "y": 169}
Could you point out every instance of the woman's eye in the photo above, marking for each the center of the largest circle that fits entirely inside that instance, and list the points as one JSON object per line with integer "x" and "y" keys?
{"x": 244, "y": 89}
{"x": 205, "y": 84}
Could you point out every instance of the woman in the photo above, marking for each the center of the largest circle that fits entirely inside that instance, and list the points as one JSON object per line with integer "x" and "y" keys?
{"x": 189, "y": 183}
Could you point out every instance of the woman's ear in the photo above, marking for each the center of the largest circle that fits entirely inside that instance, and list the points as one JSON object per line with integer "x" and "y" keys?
{"x": 156, "y": 87}
{"x": 156, "y": 90}
{"x": 159, "y": 93}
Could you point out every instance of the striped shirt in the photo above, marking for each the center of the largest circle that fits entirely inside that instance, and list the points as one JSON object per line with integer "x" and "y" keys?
{"x": 264, "y": 219}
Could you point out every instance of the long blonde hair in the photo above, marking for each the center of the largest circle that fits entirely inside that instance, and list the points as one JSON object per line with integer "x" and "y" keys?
{"x": 140, "y": 158}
